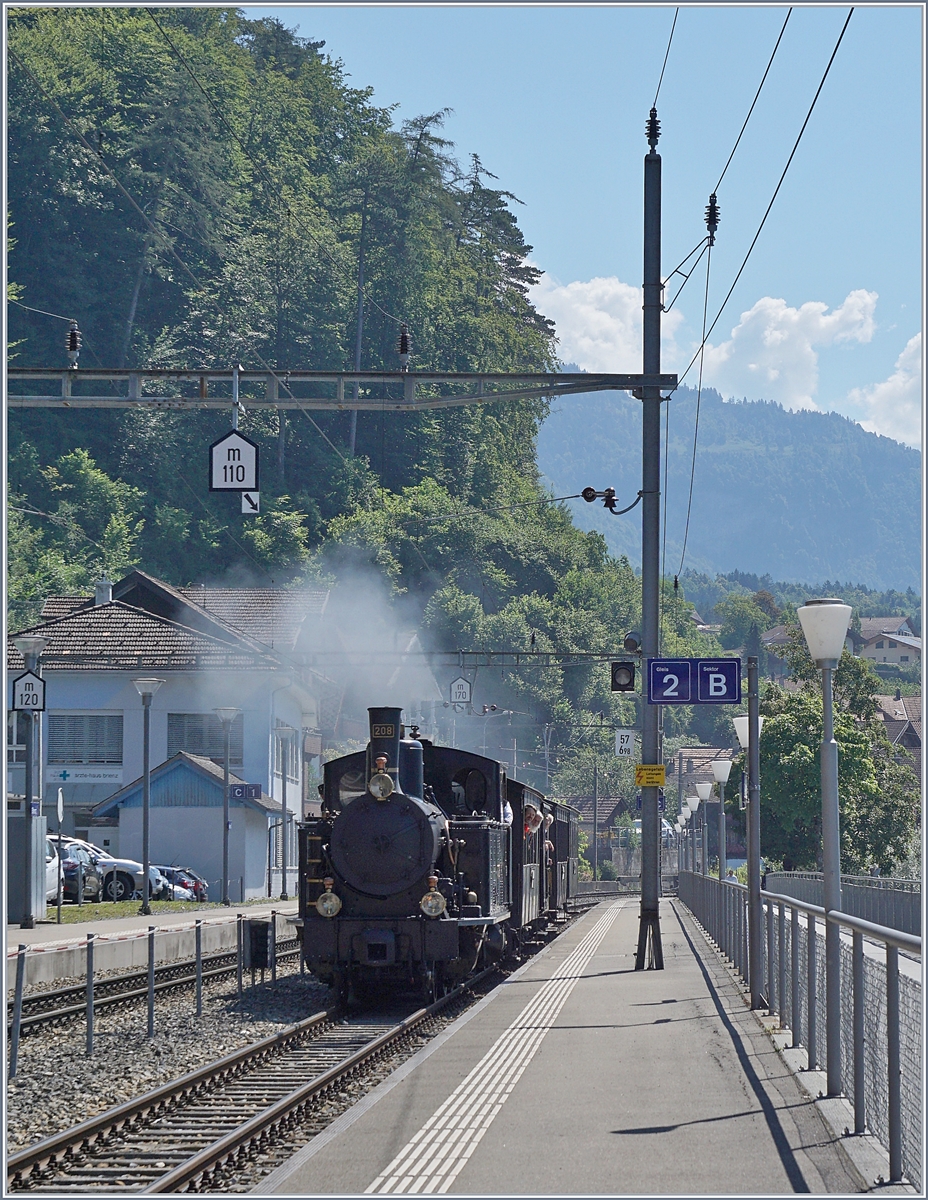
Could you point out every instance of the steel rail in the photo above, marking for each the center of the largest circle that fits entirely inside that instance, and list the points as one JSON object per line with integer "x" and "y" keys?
{"x": 50, "y": 1149}
{"x": 113, "y": 991}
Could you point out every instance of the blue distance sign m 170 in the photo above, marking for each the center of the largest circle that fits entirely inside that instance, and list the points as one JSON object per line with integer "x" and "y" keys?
{"x": 694, "y": 680}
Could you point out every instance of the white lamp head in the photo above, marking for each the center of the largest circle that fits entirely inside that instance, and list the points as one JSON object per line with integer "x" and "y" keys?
{"x": 824, "y": 623}
{"x": 692, "y": 803}
{"x": 741, "y": 729}
{"x": 227, "y": 714}
{"x": 147, "y": 687}
{"x": 29, "y": 644}
{"x": 721, "y": 769}
{"x": 704, "y": 790}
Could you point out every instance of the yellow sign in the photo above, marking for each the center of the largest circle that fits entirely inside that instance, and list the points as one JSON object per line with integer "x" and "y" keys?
{"x": 649, "y": 775}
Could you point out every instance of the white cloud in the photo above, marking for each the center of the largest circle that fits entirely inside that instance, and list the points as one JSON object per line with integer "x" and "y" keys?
{"x": 772, "y": 352}
{"x": 599, "y": 322}
{"x": 894, "y": 407}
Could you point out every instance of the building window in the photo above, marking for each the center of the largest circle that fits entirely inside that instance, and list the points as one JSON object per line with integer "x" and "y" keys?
{"x": 293, "y": 753}
{"x": 202, "y": 734}
{"x": 892, "y": 645}
{"x": 879, "y": 645}
{"x": 15, "y": 737}
{"x": 85, "y": 738}
{"x": 903, "y": 658}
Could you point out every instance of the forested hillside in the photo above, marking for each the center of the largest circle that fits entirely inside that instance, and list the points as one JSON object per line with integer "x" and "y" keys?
{"x": 799, "y": 495}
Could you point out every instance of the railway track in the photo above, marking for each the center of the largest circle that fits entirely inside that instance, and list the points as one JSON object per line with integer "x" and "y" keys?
{"x": 64, "y": 1004}
{"x": 202, "y": 1131}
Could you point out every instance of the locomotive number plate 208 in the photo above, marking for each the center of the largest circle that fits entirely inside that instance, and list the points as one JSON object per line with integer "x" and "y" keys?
{"x": 383, "y": 731}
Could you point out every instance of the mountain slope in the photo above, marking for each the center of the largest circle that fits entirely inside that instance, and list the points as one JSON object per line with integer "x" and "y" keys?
{"x": 801, "y": 495}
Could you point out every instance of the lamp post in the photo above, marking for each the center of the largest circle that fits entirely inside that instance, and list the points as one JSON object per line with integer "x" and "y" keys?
{"x": 692, "y": 803}
{"x": 146, "y": 688}
{"x": 284, "y": 733}
{"x": 704, "y": 791}
{"x": 748, "y": 729}
{"x": 824, "y": 624}
{"x": 30, "y": 647}
{"x": 226, "y": 716}
{"x": 721, "y": 769}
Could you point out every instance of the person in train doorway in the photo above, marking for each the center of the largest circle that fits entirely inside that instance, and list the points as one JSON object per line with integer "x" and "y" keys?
{"x": 532, "y": 819}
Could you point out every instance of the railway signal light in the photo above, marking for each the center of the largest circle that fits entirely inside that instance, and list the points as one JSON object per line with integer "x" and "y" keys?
{"x": 623, "y": 676}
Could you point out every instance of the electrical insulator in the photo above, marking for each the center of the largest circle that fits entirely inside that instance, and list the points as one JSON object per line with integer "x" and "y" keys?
{"x": 712, "y": 218}
{"x": 73, "y": 344}
{"x": 653, "y": 129}
{"x": 404, "y": 346}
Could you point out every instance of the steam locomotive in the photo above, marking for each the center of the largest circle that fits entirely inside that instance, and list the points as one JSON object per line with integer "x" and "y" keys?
{"x": 426, "y": 863}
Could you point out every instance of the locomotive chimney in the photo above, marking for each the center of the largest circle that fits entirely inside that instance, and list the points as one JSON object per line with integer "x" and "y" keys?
{"x": 385, "y": 741}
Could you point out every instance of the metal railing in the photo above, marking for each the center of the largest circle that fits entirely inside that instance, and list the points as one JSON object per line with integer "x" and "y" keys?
{"x": 896, "y": 903}
{"x": 881, "y": 1008}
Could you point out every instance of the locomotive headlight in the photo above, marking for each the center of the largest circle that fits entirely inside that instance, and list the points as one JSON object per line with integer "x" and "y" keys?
{"x": 380, "y": 786}
{"x": 328, "y": 905}
{"x": 433, "y": 903}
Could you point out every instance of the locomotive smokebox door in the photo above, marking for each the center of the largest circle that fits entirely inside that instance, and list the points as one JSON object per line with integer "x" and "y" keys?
{"x": 257, "y": 945}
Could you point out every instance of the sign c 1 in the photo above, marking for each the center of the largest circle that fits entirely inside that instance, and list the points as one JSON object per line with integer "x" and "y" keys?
{"x": 244, "y": 791}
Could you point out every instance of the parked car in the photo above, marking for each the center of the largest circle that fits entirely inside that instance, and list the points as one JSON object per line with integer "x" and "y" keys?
{"x": 160, "y": 887}
{"x": 51, "y": 870}
{"x": 122, "y": 877}
{"x": 187, "y": 880}
{"x": 78, "y": 865}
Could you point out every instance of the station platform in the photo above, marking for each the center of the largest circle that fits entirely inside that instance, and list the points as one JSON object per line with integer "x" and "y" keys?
{"x": 581, "y": 1076}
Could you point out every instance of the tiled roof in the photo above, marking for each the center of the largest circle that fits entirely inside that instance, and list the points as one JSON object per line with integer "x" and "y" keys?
{"x": 874, "y": 626}
{"x": 60, "y": 606}
{"x": 777, "y": 636}
{"x": 117, "y": 637}
{"x": 274, "y": 616}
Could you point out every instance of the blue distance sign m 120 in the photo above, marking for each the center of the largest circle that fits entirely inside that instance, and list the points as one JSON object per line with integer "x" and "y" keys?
{"x": 694, "y": 681}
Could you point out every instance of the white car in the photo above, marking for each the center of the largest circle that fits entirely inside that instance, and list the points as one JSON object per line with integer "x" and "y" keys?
{"x": 52, "y": 868}
{"x": 122, "y": 877}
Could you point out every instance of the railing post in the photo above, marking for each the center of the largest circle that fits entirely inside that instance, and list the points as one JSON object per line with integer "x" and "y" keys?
{"x": 812, "y": 989}
{"x": 17, "y": 1009}
{"x": 771, "y": 981}
{"x": 151, "y": 981}
{"x": 239, "y": 952}
{"x": 89, "y": 1048}
{"x": 199, "y": 938}
{"x": 795, "y": 1015}
{"x": 893, "y": 1064}
{"x": 860, "y": 1111}
{"x": 781, "y": 956}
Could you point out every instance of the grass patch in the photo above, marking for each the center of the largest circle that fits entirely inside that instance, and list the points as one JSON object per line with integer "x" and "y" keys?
{"x": 73, "y": 914}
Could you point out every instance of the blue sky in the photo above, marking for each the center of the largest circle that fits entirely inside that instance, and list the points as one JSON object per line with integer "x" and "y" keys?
{"x": 828, "y": 312}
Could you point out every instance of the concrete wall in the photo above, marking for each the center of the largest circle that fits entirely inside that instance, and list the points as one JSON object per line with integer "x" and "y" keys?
{"x": 128, "y": 951}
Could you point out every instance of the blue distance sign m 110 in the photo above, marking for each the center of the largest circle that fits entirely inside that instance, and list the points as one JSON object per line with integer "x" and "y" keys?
{"x": 694, "y": 680}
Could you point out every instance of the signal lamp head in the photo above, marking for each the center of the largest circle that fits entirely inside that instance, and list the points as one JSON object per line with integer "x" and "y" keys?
{"x": 632, "y": 642}
{"x": 623, "y": 676}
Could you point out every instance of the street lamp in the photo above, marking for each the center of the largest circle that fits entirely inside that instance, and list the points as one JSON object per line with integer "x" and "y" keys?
{"x": 721, "y": 769}
{"x": 704, "y": 791}
{"x": 285, "y": 733}
{"x": 824, "y": 623}
{"x": 146, "y": 688}
{"x": 30, "y": 646}
{"x": 226, "y": 716}
{"x": 748, "y": 729}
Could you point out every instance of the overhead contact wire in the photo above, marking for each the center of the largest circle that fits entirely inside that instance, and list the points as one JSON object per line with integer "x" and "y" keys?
{"x": 702, "y": 353}
{"x": 666, "y": 56}
{"x": 769, "y": 206}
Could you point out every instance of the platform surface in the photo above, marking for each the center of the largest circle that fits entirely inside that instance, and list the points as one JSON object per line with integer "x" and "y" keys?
{"x": 582, "y": 1076}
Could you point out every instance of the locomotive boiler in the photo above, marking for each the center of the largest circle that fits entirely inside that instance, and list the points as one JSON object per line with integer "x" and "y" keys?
{"x": 426, "y": 862}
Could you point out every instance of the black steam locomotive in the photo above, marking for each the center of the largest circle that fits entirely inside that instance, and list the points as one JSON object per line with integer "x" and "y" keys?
{"x": 427, "y": 861}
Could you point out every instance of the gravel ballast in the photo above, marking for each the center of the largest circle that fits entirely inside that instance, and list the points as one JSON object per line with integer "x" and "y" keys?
{"x": 57, "y": 1086}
